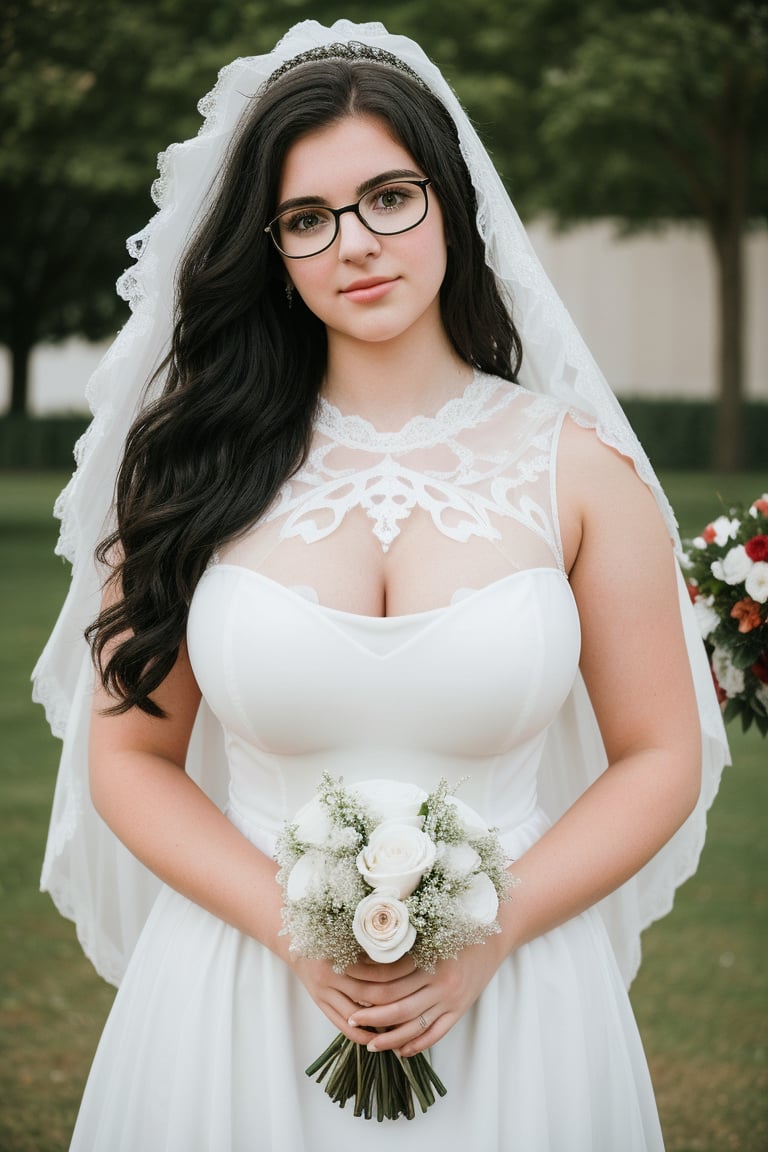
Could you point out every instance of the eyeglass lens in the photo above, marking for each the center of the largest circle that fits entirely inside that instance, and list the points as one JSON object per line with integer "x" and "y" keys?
{"x": 386, "y": 210}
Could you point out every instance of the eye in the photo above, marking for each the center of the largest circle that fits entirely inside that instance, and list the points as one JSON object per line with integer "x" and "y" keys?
{"x": 307, "y": 220}
{"x": 390, "y": 198}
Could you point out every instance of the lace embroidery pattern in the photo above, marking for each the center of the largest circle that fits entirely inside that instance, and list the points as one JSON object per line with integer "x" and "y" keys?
{"x": 461, "y": 500}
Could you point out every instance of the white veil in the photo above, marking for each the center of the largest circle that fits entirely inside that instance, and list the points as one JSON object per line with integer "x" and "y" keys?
{"x": 91, "y": 877}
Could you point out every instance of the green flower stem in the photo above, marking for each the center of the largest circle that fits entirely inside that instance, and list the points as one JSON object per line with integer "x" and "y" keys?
{"x": 380, "y": 1083}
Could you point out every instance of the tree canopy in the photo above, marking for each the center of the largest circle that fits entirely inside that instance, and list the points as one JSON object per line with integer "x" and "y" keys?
{"x": 640, "y": 110}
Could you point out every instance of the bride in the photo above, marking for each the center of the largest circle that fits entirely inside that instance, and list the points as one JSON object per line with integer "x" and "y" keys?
{"x": 376, "y": 513}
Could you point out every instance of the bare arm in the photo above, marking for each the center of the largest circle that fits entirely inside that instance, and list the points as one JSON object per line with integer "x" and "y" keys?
{"x": 140, "y": 788}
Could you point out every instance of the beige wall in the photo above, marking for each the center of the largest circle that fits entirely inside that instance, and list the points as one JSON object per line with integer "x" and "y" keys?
{"x": 646, "y": 306}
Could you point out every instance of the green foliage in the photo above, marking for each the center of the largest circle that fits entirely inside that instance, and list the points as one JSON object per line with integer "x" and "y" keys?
{"x": 658, "y": 111}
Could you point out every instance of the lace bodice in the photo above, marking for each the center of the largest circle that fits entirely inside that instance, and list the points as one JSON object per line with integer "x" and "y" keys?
{"x": 480, "y": 474}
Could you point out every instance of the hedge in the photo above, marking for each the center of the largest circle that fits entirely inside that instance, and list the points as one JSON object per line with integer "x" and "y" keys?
{"x": 677, "y": 434}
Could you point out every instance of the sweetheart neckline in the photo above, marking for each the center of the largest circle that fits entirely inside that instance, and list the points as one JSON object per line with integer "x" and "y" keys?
{"x": 379, "y": 621}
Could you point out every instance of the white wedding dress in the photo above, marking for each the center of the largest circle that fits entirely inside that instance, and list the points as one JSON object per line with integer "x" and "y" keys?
{"x": 210, "y": 1033}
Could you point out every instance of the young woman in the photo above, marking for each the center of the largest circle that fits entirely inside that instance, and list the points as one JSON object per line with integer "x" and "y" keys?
{"x": 351, "y": 533}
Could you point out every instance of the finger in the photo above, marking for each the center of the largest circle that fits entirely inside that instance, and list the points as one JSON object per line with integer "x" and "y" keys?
{"x": 399, "y": 1012}
{"x": 338, "y": 1009}
{"x": 376, "y": 994}
{"x": 367, "y": 969}
{"x": 438, "y": 1028}
{"x": 414, "y": 1035}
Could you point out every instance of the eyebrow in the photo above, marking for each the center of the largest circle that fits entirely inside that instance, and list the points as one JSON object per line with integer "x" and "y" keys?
{"x": 366, "y": 186}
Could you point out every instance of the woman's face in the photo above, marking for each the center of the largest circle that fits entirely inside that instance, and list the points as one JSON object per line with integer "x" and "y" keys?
{"x": 364, "y": 287}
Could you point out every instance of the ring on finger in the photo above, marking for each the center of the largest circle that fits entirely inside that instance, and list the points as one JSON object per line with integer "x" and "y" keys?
{"x": 423, "y": 1022}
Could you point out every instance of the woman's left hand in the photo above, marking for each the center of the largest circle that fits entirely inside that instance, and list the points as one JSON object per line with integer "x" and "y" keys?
{"x": 438, "y": 999}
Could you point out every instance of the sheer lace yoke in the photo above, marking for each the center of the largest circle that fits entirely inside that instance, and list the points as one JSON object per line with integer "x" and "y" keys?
{"x": 400, "y": 523}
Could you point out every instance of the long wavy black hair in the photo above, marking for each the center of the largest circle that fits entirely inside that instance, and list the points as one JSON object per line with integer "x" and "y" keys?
{"x": 207, "y": 458}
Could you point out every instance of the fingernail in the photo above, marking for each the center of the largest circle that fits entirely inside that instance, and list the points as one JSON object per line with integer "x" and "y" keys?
{"x": 372, "y": 1046}
{"x": 352, "y": 1022}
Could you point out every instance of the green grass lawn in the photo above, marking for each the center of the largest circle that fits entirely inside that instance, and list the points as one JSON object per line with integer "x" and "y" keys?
{"x": 700, "y": 996}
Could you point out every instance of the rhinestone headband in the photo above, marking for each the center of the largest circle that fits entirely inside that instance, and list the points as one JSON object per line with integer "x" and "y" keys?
{"x": 351, "y": 50}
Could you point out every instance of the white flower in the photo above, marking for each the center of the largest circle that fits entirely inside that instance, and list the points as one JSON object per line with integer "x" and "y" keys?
{"x": 730, "y": 679}
{"x": 392, "y": 799}
{"x": 396, "y": 857}
{"x": 756, "y": 582}
{"x": 472, "y": 823}
{"x": 459, "y": 859}
{"x": 706, "y": 617}
{"x": 761, "y": 694}
{"x": 307, "y": 877}
{"x": 480, "y": 901}
{"x": 734, "y": 567}
{"x": 382, "y": 927}
{"x": 725, "y": 529}
{"x": 343, "y": 838}
{"x": 313, "y": 824}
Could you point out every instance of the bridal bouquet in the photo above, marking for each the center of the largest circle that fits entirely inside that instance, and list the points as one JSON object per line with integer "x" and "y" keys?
{"x": 383, "y": 868}
{"x": 727, "y": 573}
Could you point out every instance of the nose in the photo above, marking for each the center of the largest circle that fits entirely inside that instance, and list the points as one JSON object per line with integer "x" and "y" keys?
{"x": 356, "y": 242}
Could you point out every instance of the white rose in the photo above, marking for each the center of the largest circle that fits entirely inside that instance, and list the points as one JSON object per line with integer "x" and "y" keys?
{"x": 396, "y": 857}
{"x": 730, "y": 679}
{"x": 392, "y": 800}
{"x": 756, "y": 582}
{"x": 736, "y": 565}
{"x": 706, "y": 617}
{"x": 459, "y": 859}
{"x": 313, "y": 824}
{"x": 480, "y": 901}
{"x": 471, "y": 822}
{"x": 382, "y": 927}
{"x": 725, "y": 529}
{"x": 307, "y": 877}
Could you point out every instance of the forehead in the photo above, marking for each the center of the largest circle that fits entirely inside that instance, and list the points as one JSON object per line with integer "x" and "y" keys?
{"x": 341, "y": 155}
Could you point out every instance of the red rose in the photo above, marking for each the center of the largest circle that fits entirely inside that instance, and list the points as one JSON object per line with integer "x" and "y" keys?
{"x": 760, "y": 667}
{"x": 757, "y": 548}
{"x": 709, "y": 533}
{"x": 761, "y": 505}
{"x": 722, "y": 695}
{"x": 693, "y": 592}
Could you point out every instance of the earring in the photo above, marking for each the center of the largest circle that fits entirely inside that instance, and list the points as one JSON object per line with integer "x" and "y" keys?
{"x": 289, "y": 294}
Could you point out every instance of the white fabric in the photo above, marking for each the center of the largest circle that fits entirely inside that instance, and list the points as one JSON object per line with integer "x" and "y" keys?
{"x": 551, "y": 1049}
{"x": 91, "y": 878}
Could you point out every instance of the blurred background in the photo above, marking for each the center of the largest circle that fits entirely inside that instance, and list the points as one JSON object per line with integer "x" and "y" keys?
{"x": 633, "y": 137}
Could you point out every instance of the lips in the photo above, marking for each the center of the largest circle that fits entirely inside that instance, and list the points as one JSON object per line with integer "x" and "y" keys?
{"x": 371, "y": 288}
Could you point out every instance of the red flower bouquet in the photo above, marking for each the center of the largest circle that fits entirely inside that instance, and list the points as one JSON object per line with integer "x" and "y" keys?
{"x": 726, "y": 569}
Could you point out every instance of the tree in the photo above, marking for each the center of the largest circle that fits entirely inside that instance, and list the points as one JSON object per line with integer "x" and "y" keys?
{"x": 656, "y": 112}
{"x": 90, "y": 92}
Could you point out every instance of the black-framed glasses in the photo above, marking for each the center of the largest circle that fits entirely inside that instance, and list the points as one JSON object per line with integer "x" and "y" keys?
{"x": 386, "y": 210}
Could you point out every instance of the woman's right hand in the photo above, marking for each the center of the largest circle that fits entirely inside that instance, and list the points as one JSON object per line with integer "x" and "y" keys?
{"x": 365, "y": 984}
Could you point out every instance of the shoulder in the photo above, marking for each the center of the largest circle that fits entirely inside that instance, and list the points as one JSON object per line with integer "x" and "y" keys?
{"x": 599, "y": 493}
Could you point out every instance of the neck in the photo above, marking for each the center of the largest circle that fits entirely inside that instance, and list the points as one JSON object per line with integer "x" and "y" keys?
{"x": 389, "y": 382}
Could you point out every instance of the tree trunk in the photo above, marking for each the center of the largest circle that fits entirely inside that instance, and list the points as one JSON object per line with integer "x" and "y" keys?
{"x": 728, "y": 237}
{"x": 20, "y": 354}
